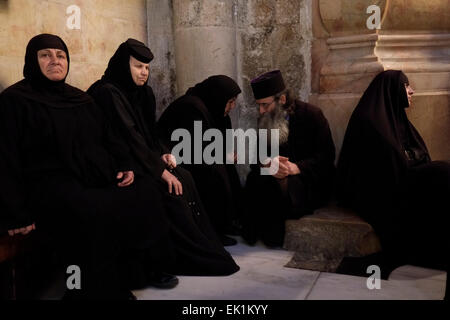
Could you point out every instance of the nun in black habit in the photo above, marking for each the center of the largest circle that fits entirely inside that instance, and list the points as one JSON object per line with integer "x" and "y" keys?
{"x": 386, "y": 175}
{"x": 129, "y": 106}
{"x": 219, "y": 186}
{"x": 65, "y": 171}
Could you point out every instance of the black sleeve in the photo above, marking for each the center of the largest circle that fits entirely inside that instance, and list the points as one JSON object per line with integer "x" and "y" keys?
{"x": 150, "y": 118}
{"x": 109, "y": 102}
{"x": 321, "y": 162}
{"x": 180, "y": 116}
{"x": 113, "y": 135}
{"x": 14, "y": 213}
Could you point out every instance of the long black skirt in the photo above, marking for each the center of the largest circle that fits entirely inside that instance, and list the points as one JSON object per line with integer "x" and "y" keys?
{"x": 102, "y": 229}
{"x": 414, "y": 229}
{"x": 197, "y": 246}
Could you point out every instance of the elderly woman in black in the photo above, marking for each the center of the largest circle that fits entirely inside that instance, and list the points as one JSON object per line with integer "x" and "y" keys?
{"x": 209, "y": 102}
{"x": 64, "y": 173}
{"x": 129, "y": 105}
{"x": 385, "y": 173}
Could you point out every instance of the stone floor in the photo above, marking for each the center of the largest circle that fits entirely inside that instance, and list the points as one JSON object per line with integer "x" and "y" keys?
{"x": 264, "y": 277}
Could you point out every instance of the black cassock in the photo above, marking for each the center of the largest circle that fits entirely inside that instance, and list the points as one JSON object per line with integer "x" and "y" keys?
{"x": 271, "y": 201}
{"x": 59, "y": 162}
{"x": 131, "y": 111}
{"x": 385, "y": 173}
{"x": 218, "y": 184}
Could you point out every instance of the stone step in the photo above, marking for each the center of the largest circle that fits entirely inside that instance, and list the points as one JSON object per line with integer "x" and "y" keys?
{"x": 321, "y": 240}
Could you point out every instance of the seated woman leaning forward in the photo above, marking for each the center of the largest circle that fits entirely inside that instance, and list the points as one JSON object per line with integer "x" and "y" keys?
{"x": 65, "y": 174}
{"x": 129, "y": 106}
{"x": 385, "y": 173}
{"x": 206, "y": 106}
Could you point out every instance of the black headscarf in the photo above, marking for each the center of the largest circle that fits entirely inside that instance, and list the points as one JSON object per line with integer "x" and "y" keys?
{"x": 140, "y": 98}
{"x": 118, "y": 71}
{"x": 374, "y": 156}
{"x": 36, "y": 86}
{"x": 133, "y": 107}
{"x": 215, "y": 92}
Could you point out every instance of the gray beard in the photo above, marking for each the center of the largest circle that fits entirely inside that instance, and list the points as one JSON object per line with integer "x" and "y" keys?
{"x": 275, "y": 120}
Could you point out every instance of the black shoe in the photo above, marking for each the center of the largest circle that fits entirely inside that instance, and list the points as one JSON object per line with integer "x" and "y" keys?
{"x": 249, "y": 235}
{"x": 163, "y": 280}
{"x": 227, "y": 241}
{"x": 357, "y": 266}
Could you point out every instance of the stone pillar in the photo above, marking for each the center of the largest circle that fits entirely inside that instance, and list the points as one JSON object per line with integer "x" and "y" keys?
{"x": 205, "y": 42}
{"x": 413, "y": 36}
{"x": 273, "y": 35}
{"x": 161, "y": 42}
{"x": 238, "y": 38}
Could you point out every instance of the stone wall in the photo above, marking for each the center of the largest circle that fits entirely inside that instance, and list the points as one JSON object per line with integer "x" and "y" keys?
{"x": 104, "y": 25}
{"x": 273, "y": 35}
{"x": 195, "y": 39}
{"x": 323, "y": 47}
{"x": 413, "y": 36}
{"x": 238, "y": 38}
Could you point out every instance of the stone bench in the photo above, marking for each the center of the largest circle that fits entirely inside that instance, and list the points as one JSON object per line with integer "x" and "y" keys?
{"x": 321, "y": 240}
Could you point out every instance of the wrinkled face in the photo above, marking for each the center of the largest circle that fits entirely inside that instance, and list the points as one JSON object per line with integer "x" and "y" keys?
{"x": 409, "y": 92}
{"x": 266, "y": 105}
{"x": 53, "y": 63}
{"x": 139, "y": 71}
{"x": 231, "y": 104}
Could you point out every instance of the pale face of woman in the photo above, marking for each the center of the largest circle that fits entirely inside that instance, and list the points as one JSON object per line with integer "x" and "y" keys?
{"x": 231, "y": 104}
{"x": 409, "y": 92}
{"x": 53, "y": 63}
{"x": 139, "y": 71}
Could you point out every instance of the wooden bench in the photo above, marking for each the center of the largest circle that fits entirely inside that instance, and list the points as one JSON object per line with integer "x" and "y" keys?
{"x": 321, "y": 240}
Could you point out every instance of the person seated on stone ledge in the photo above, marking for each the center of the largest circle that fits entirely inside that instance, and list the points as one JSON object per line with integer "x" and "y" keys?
{"x": 129, "y": 105}
{"x": 304, "y": 178}
{"x": 64, "y": 173}
{"x": 209, "y": 103}
{"x": 386, "y": 175}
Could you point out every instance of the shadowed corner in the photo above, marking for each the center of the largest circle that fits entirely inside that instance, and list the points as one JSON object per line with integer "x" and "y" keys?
{"x": 4, "y": 5}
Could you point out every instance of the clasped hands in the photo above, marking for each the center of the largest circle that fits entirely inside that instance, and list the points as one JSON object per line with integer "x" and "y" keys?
{"x": 285, "y": 167}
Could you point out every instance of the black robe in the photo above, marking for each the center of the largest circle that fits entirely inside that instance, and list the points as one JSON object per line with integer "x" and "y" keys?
{"x": 131, "y": 111}
{"x": 59, "y": 160}
{"x": 59, "y": 171}
{"x": 387, "y": 176}
{"x": 218, "y": 184}
{"x": 271, "y": 201}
